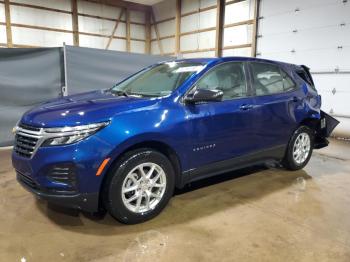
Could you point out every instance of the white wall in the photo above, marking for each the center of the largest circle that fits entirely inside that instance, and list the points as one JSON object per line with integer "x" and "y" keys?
{"x": 163, "y": 10}
{"x": 95, "y": 31}
{"x": 238, "y": 35}
{"x": 36, "y": 17}
{"x": 101, "y": 28}
{"x": 233, "y": 36}
{"x": 2, "y": 27}
{"x": 318, "y": 41}
{"x": 198, "y": 21}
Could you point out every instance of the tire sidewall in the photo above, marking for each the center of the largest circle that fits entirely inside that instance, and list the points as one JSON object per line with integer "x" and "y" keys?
{"x": 115, "y": 204}
{"x": 292, "y": 164}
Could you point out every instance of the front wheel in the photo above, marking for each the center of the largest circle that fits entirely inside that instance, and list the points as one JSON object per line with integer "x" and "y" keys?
{"x": 139, "y": 186}
{"x": 299, "y": 149}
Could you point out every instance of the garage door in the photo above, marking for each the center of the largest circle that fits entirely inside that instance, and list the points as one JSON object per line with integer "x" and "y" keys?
{"x": 315, "y": 33}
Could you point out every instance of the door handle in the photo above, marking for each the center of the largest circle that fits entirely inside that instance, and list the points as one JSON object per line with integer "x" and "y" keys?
{"x": 245, "y": 107}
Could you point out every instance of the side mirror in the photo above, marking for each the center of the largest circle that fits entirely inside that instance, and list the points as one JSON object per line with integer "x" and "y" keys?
{"x": 203, "y": 95}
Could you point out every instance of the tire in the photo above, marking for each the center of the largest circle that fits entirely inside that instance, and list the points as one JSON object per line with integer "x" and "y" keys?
{"x": 126, "y": 206}
{"x": 293, "y": 159}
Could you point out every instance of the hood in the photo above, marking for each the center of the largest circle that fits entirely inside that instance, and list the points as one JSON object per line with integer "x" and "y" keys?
{"x": 86, "y": 108}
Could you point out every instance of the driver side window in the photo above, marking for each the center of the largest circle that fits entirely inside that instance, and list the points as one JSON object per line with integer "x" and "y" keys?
{"x": 227, "y": 77}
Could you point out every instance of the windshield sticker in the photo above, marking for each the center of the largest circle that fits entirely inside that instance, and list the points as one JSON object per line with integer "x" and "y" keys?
{"x": 189, "y": 69}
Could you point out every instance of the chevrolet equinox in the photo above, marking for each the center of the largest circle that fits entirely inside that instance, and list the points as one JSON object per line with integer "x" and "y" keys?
{"x": 126, "y": 148}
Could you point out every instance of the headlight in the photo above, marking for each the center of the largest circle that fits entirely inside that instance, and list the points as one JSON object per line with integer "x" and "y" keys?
{"x": 69, "y": 135}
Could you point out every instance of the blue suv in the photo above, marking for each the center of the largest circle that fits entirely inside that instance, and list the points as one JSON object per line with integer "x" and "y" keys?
{"x": 125, "y": 149}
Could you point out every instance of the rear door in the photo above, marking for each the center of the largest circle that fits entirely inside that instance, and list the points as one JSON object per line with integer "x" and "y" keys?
{"x": 276, "y": 100}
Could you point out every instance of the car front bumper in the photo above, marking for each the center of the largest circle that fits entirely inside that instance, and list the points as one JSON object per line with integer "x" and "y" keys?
{"x": 65, "y": 175}
{"x": 82, "y": 201}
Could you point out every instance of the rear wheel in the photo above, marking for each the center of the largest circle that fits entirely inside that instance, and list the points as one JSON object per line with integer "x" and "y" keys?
{"x": 299, "y": 149}
{"x": 139, "y": 187}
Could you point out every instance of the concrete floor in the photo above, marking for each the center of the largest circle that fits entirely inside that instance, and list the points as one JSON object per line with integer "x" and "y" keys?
{"x": 255, "y": 214}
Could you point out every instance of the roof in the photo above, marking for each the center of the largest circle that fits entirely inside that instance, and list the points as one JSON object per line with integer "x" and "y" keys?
{"x": 224, "y": 59}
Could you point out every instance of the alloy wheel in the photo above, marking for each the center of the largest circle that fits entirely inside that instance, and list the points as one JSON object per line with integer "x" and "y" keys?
{"x": 143, "y": 187}
{"x": 301, "y": 148}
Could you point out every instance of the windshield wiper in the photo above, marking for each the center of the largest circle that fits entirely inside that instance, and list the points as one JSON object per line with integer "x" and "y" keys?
{"x": 128, "y": 94}
{"x": 141, "y": 95}
{"x": 120, "y": 93}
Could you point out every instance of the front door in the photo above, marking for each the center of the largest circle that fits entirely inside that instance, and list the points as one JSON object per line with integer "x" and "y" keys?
{"x": 221, "y": 130}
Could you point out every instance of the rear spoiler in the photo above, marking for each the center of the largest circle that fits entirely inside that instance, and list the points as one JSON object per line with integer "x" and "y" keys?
{"x": 307, "y": 71}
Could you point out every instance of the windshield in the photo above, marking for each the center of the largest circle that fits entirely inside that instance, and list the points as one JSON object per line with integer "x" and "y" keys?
{"x": 159, "y": 80}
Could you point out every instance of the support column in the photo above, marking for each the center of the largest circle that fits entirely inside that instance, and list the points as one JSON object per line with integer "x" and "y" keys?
{"x": 8, "y": 23}
{"x": 75, "y": 23}
{"x": 220, "y": 18}
{"x": 148, "y": 32}
{"x": 128, "y": 37}
{"x": 255, "y": 27}
{"x": 178, "y": 27}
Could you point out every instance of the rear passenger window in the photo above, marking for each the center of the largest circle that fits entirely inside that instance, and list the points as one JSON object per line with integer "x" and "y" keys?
{"x": 288, "y": 83}
{"x": 270, "y": 79}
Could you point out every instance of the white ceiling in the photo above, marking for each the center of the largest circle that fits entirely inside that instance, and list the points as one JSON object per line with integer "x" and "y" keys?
{"x": 145, "y": 2}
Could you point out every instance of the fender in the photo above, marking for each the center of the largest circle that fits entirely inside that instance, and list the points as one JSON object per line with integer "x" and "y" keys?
{"x": 138, "y": 139}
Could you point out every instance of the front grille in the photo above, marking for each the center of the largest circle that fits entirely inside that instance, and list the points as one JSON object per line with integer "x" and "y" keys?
{"x": 31, "y": 128}
{"x": 26, "y": 140}
{"x": 27, "y": 180}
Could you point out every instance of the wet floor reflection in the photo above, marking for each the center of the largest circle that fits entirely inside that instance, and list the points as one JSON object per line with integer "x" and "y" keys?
{"x": 255, "y": 213}
{"x": 147, "y": 246}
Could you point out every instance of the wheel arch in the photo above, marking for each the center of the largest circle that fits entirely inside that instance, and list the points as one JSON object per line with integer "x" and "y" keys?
{"x": 314, "y": 123}
{"x": 159, "y": 146}
{"x": 166, "y": 150}
{"x": 310, "y": 122}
